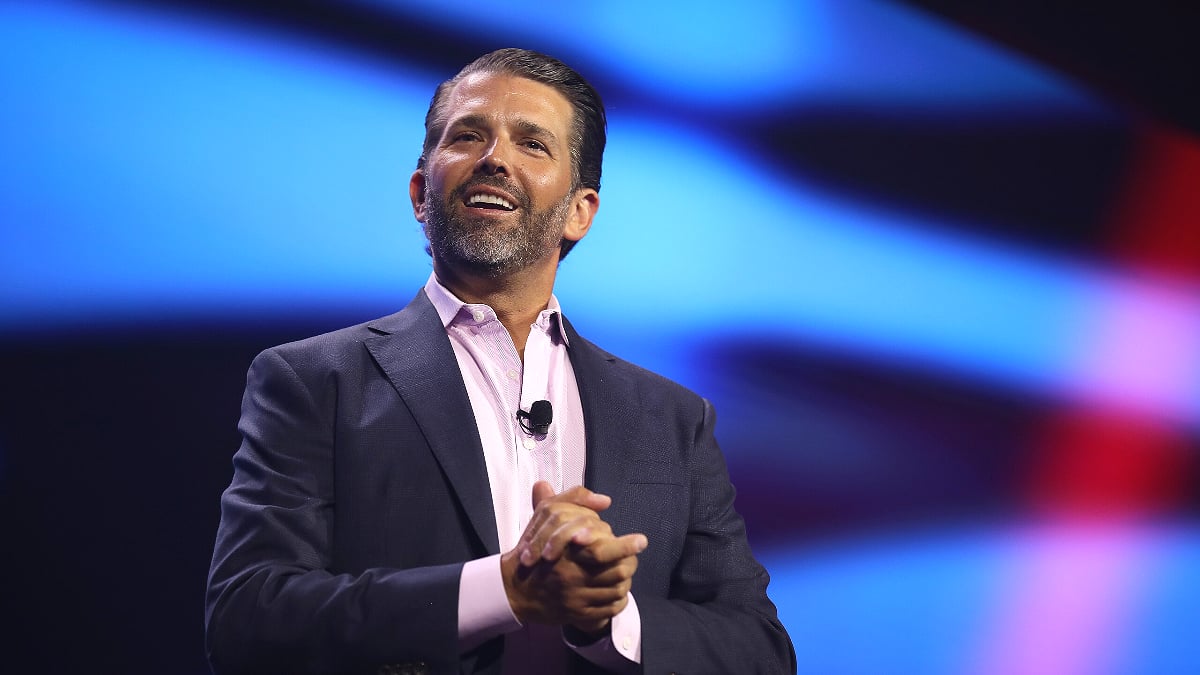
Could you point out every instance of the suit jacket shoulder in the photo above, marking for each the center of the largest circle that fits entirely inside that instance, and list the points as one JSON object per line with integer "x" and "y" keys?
{"x": 357, "y": 445}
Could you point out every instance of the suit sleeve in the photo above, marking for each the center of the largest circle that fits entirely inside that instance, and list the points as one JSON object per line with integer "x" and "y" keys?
{"x": 717, "y": 617}
{"x": 273, "y": 604}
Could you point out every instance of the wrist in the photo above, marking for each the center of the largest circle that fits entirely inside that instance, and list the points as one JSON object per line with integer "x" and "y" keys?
{"x": 583, "y": 636}
{"x": 510, "y": 567}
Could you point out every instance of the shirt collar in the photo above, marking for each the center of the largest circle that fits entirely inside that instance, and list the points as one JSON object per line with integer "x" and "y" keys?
{"x": 448, "y": 307}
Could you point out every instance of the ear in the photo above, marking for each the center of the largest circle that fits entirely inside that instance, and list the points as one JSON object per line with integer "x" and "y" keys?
{"x": 416, "y": 192}
{"x": 583, "y": 210}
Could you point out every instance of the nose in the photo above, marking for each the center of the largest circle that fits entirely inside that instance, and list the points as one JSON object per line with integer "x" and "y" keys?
{"x": 494, "y": 159}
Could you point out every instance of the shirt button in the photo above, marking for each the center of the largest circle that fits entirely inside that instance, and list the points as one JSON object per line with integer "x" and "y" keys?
{"x": 529, "y": 445}
{"x": 512, "y": 374}
{"x": 626, "y": 643}
{"x": 477, "y": 315}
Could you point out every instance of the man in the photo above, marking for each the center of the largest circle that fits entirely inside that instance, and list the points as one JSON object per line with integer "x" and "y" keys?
{"x": 399, "y": 502}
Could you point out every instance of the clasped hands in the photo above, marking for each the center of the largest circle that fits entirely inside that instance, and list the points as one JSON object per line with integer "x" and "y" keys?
{"x": 568, "y": 568}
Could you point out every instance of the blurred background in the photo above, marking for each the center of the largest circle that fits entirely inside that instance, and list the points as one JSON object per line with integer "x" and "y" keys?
{"x": 937, "y": 265}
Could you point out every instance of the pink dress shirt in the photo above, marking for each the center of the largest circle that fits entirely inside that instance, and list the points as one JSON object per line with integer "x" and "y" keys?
{"x": 498, "y": 383}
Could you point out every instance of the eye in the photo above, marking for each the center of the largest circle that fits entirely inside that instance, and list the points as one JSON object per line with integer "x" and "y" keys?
{"x": 464, "y": 136}
{"x": 534, "y": 145}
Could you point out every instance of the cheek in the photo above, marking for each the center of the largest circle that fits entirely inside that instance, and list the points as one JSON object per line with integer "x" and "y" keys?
{"x": 449, "y": 169}
{"x": 548, "y": 186}
{"x": 440, "y": 182}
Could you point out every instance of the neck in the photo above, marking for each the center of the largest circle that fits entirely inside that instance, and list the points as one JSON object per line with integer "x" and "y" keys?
{"x": 517, "y": 297}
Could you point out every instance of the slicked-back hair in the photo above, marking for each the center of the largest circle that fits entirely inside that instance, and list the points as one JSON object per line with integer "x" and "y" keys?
{"x": 588, "y": 121}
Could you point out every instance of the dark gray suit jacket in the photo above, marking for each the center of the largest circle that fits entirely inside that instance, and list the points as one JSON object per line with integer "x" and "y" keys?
{"x": 360, "y": 489}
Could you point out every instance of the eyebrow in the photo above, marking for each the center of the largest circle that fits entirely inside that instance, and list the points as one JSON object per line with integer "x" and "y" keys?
{"x": 477, "y": 121}
{"x": 533, "y": 129}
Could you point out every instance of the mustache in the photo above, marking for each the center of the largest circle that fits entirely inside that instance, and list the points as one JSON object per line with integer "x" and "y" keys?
{"x": 494, "y": 182}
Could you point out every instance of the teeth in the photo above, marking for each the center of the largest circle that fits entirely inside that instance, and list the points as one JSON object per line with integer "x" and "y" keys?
{"x": 489, "y": 199}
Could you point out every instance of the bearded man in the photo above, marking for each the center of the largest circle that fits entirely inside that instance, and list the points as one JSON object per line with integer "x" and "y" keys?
{"x": 468, "y": 485}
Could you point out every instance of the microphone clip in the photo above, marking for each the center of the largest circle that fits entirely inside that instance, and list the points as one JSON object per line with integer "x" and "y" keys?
{"x": 536, "y": 422}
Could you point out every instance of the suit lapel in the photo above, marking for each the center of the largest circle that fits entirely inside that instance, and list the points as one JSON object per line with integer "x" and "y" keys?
{"x": 611, "y": 411}
{"x": 414, "y": 352}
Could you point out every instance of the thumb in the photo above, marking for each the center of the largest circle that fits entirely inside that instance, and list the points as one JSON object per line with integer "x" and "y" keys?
{"x": 541, "y": 492}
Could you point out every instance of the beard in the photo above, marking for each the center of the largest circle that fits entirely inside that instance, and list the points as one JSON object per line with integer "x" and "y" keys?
{"x": 483, "y": 247}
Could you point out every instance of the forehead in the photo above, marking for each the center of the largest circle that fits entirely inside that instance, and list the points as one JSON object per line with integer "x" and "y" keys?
{"x": 506, "y": 99}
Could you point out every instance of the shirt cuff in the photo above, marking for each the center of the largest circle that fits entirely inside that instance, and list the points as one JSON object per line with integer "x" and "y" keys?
{"x": 483, "y": 609}
{"x": 621, "y": 649}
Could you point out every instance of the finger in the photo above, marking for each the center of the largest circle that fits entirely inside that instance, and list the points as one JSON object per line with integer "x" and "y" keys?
{"x": 585, "y": 497}
{"x": 583, "y": 531}
{"x": 541, "y": 492}
{"x": 596, "y": 612}
{"x": 545, "y": 501}
{"x": 606, "y": 550}
{"x": 544, "y": 509}
{"x": 547, "y": 506}
{"x": 581, "y": 527}
{"x": 585, "y": 536}
{"x": 555, "y": 520}
{"x": 618, "y": 575}
{"x": 583, "y": 599}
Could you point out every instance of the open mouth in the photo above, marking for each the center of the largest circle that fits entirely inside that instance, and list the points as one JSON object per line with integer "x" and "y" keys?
{"x": 488, "y": 201}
